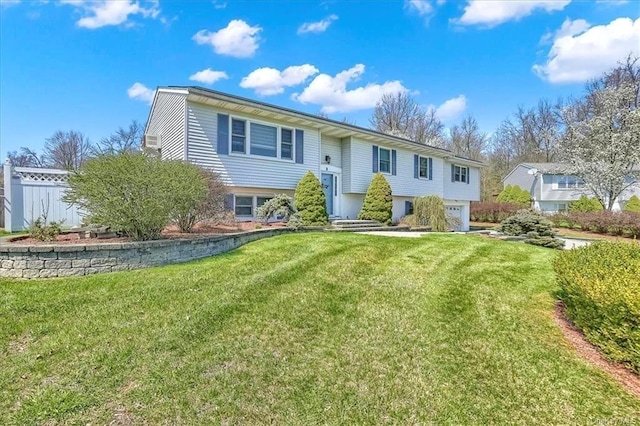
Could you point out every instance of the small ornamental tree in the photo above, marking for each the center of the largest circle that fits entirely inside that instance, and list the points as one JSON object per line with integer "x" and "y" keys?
{"x": 430, "y": 211}
{"x": 310, "y": 201}
{"x": 633, "y": 205}
{"x": 516, "y": 195}
{"x": 280, "y": 206}
{"x": 585, "y": 204}
{"x": 378, "y": 202}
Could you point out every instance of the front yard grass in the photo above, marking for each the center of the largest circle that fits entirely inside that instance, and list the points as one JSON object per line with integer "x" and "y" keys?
{"x": 304, "y": 329}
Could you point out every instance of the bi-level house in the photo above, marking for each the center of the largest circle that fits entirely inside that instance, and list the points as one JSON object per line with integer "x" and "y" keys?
{"x": 552, "y": 188}
{"x": 261, "y": 150}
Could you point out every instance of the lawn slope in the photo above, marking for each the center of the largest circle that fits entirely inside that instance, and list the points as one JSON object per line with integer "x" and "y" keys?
{"x": 304, "y": 329}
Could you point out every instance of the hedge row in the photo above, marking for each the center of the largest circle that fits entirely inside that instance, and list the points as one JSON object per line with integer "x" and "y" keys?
{"x": 492, "y": 212}
{"x": 602, "y": 222}
{"x": 601, "y": 292}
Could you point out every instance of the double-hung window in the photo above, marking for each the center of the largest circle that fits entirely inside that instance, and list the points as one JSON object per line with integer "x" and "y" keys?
{"x": 385, "y": 160}
{"x": 424, "y": 168}
{"x": 238, "y": 135}
{"x": 264, "y": 140}
{"x": 460, "y": 174}
{"x": 286, "y": 144}
{"x": 244, "y": 206}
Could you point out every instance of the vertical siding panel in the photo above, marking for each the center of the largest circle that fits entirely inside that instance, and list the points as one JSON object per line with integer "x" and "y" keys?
{"x": 168, "y": 121}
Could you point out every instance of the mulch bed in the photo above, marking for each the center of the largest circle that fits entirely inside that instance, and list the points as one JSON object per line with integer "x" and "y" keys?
{"x": 590, "y": 353}
{"x": 171, "y": 232}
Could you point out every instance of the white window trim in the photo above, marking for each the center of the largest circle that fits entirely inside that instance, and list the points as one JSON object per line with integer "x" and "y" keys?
{"x": 247, "y": 142}
{"x": 390, "y": 160}
{"x": 466, "y": 174}
{"x": 420, "y": 157}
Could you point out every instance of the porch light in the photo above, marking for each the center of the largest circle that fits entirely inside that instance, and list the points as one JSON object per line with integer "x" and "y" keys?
{"x": 327, "y": 159}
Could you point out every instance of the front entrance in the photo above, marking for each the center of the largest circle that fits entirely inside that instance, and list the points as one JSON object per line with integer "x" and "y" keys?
{"x": 328, "y": 187}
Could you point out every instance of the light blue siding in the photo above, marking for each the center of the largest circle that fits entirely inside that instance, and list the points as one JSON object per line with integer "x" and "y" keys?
{"x": 241, "y": 169}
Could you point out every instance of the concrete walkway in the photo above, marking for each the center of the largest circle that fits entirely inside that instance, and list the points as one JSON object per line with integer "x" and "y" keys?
{"x": 569, "y": 243}
{"x": 403, "y": 234}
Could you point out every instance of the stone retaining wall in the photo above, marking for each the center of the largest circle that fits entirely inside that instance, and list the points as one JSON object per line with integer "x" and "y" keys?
{"x": 66, "y": 260}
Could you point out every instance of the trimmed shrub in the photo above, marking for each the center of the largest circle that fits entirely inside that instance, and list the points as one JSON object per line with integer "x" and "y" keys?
{"x": 585, "y": 204}
{"x": 430, "y": 211}
{"x": 492, "y": 212}
{"x": 135, "y": 193}
{"x": 280, "y": 206}
{"x": 43, "y": 231}
{"x": 378, "y": 202}
{"x": 525, "y": 221}
{"x": 633, "y": 205}
{"x": 515, "y": 195}
{"x": 548, "y": 242}
{"x": 295, "y": 221}
{"x": 310, "y": 201}
{"x": 601, "y": 292}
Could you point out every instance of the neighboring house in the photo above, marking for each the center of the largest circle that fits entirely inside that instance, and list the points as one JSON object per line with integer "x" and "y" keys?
{"x": 552, "y": 189}
{"x": 261, "y": 150}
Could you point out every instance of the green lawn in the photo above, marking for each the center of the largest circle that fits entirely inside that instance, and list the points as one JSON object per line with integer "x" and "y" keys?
{"x": 304, "y": 329}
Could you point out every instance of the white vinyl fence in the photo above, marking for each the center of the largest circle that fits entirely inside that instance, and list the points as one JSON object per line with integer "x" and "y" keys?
{"x": 30, "y": 193}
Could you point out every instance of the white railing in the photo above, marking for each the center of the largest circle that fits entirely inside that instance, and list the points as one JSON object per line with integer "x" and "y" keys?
{"x": 30, "y": 193}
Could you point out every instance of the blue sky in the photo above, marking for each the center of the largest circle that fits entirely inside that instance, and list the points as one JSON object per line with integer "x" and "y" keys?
{"x": 92, "y": 66}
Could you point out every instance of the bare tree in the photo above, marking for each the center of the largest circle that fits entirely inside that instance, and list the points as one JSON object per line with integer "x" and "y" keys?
{"x": 123, "y": 140}
{"x": 601, "y": 144}
{"x": 398, "y": 114}
{"x": 25, "y": 158}
{"x": 467, "y": 140}
{"x": 67, "y": 150}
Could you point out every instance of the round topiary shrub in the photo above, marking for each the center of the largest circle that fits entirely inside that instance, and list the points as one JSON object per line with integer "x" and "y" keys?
{"x": 310, "y": 201}
{"x": 633, "y": 205}
{"x": 378, "y": 202}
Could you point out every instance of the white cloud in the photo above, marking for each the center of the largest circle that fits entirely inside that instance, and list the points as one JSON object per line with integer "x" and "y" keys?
{"x": 489, "y": 13}
{"x": 219, "y": 4}
{"x": 105, "y": 12}
{"x": 317, "y": 27}
{"x": 451, "y": 109}
{"x": 332, "y": 93}
{"x": 7, "y": 3}
{"x": 237, "y": 39}
{"x": 270, "y": 81}
{"x": 140, "y": 92}
{"x": 580, "y": 53}
{"x": 208, "y": 76}
{"x": 421, "y": 7}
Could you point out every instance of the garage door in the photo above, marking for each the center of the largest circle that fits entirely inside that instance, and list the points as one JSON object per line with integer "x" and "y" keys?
{"x": 456, "y": 213}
